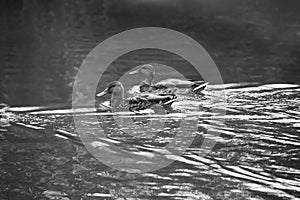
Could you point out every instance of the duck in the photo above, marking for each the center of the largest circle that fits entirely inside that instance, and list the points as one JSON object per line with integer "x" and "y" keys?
{"x": 167, "y": 84}
{"x": 135, "y": 103}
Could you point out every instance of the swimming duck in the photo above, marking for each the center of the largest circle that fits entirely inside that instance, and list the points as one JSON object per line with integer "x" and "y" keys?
{"x": 147, "y": 85}
{"x": 139, "y": 102}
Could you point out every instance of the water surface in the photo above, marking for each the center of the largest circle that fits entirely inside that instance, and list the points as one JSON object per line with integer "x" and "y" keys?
{"x": 256, "y": 156}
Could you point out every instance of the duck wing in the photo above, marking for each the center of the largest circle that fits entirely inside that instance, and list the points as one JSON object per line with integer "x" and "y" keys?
{"x": 138, "y": 103}
{"x": 157, "y": 98}
{"x": 145, "y": 101}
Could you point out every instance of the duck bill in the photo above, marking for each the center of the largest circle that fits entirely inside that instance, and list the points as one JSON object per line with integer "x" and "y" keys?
{"x": 104, "y": 92}
{"x": 134, "y": 72}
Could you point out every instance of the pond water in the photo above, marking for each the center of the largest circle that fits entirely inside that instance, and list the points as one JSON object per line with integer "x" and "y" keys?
{"x": 256, "y": 144}
{"x": 42, "y": 44}
{"x": 254, "y": 153}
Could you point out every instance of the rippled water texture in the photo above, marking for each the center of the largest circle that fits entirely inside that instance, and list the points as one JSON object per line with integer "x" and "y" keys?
{"x": 255, "y": 45}
{"x": 256, "y": 155}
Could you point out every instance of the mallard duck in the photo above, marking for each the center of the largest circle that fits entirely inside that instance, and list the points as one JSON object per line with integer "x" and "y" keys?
{"x": 139, "y": 102}
{"x": 147, "y": 84}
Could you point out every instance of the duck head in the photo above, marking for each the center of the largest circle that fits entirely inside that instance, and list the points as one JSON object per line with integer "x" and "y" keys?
{"x": 116, "y": 90}
{"x": 146, "y": 69}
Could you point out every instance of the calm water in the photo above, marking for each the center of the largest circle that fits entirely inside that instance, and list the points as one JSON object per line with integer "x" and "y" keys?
{"x": 42, "y": 44}
{"x": 256, "y": 155}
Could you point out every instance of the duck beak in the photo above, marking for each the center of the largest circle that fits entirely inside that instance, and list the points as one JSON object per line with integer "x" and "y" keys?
{"x": 104, "y": 92}
{"x": 134, "y": 72}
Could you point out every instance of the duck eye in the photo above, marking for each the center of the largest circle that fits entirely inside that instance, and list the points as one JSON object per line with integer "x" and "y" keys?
{"x": 111, "y": 88}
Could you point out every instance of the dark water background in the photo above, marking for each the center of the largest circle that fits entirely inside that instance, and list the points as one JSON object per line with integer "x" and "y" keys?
{"x": 256, "y": 156}
{"x": 42, "y": 43}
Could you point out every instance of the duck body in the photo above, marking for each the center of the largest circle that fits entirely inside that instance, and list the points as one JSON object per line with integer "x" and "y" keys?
{"x": 136, "y": 103}
{"x": 172, "y": 84}
{"x": 145, "y": 101}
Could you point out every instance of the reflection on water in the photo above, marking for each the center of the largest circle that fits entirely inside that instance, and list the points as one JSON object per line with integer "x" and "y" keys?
{"x": 255, "y": 157}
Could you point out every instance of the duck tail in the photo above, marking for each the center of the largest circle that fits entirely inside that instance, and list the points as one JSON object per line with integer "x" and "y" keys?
{"x": 171, "y": 98}
{"x": 197, "y": 82}
{"x": 199, "y": 86}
